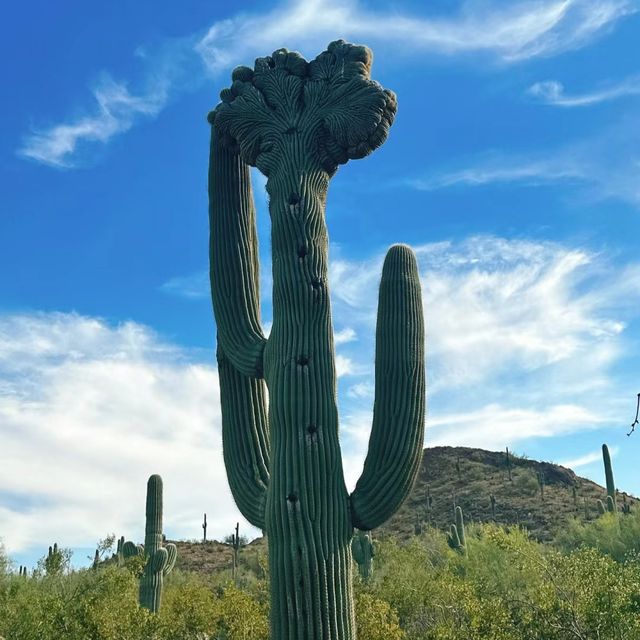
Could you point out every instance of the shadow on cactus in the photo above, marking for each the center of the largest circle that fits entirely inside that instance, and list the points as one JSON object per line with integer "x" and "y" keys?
{"x": 158, "y": 560}
{"x": 297, "y": 121}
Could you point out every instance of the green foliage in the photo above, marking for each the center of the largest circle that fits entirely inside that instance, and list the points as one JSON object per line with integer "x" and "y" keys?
{"x": 609, "y": 534}
{"x": 508, "y": 587}
{"x": 376, "y": 619}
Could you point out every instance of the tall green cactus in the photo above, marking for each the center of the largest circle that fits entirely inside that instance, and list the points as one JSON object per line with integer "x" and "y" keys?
{"x": 363, "y": 553}
{"x": 159, "y": 560}
{"x": 608, "y": 473}
{"x": 297, "y": 121}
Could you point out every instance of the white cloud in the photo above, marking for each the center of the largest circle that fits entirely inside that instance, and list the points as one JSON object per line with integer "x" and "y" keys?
{"x": 194, "y": 286}
{"x": 552, "y": 92}
{"x": 87, "y": 412}
{"x": 503, "y": 170}
{"x": 519, "y": 31}
{"x": 493, "y": 426}
{"x": 344, "y": 335}
{"x": 605, "y": 166}
{"x": 526, "y": 335}
{"x": 116, "y": 111}
{"x": 588, "y": 458}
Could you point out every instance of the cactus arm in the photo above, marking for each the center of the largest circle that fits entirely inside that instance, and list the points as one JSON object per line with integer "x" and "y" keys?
{"x": 172, "y": 555}
{"x": 395, "y": 446}
{"x": 234, "y": 275}
{"x": 245, "y": 439}
{"x": 356, "y": 549}
{"x": 233, "y": 255}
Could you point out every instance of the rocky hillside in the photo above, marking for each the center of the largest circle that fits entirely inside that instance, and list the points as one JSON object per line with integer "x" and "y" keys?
{"x": 468, "y": 477}
{"x": 460, "y": 476}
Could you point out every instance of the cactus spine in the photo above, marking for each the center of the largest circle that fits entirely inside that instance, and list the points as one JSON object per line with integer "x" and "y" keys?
{"x": 608, "y": 472}
{"x": 159, "y": 560}
{"x": 297, "y": 121}
{"x": 362, "y": 550}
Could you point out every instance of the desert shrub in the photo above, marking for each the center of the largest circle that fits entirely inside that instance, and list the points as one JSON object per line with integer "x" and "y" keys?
{"x": 616, "y": 535}
{"x": 376, "y": 619}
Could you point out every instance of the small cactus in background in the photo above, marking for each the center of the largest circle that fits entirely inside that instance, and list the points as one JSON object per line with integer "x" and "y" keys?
{"x": 493, "y": 506}
{"x": 118, "y": 554}
{"x": 608, "y": 472}
{"x": 22, "y": 572}
{"x": 96, "y": 560}
{"x": 456, "y": 537}
{"x": 54, "y": 562}
{"x": 159, "y": 560}
{"x": 540, "y": 475}
{"x": 362, "y": 550}
{"x": 574, "y": 491}
{"x": 508, "y": 458}
{"x": 235, "y": 542}
{"x": 611, "y": 505}
{"x": 204, "y": 528}
{"x": 626, "y": 506}
{"x": 601, "y": 508}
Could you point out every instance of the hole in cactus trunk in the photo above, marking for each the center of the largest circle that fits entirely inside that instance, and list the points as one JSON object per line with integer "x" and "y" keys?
{"x": 294, "y": 199}
{"x": 302, "y": 251}
{"x": 303, "y": 361}
{"x": 293, "y": 498}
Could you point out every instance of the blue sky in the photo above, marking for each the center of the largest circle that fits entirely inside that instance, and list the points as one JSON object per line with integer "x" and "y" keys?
{"x": 512, "y": 169}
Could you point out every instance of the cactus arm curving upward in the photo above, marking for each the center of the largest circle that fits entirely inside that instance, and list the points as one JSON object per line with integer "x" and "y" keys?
{"x": 233, "y": 260}
{"x": 234, "y": 275}
{"x": 395, "y": 445}
{"x": 245, "y": 439}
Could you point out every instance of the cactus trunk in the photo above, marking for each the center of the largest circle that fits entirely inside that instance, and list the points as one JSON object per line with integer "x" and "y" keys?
{"x": 296, "y": 121}
{"x": 307, "y": 514}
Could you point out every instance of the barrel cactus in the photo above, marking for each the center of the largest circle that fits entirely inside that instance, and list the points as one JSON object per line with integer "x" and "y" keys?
{"x": 362, "y": 549}
{"x": 159, "y": 560}
{"x": 296, "y": 121}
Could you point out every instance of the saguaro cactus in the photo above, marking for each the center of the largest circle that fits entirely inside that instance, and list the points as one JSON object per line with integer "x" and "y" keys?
{"x": 456, "y": 537}
{"x": 297, "y": 121}
{"x": 159, "y": 560}
{"x": 362, "y": 549}
{"x": 608, "y": 472}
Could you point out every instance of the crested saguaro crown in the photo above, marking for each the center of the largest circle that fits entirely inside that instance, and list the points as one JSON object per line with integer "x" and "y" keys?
{"x": 329, "y": 109}
{"x": 297, "y": 121}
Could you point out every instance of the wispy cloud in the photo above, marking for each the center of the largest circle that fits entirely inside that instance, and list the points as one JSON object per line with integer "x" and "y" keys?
{"x": 115, "y": 111}
{"x": 589, "y": 458}
{"x": 503, "y": 170}
{"x": 508, "y": 34}
{"x": 194, "y": 286}
{"x": 520, "y": 31}
{"x": 604, "y": 166}
{"x": 552, "y": 92}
